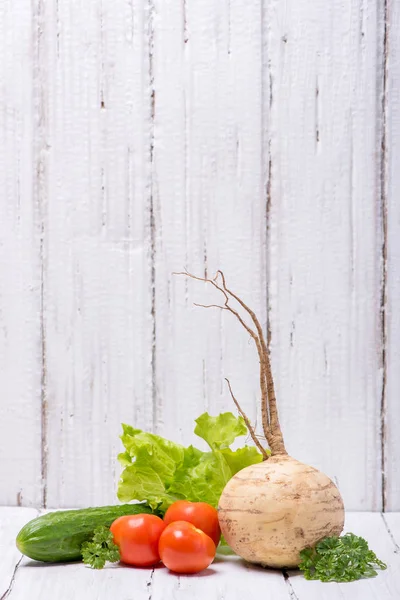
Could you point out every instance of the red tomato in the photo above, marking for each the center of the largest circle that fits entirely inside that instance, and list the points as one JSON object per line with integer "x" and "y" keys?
{"x": 137, "y": 537}
{"x": 185, "y": 549}
{"x": 200, "y": 514}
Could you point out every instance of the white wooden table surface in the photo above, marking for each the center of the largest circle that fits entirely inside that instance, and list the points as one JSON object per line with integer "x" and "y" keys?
{"x": 228, "y": 578}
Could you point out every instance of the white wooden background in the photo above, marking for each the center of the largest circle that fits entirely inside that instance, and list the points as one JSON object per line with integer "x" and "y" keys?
{"x": 140, "y": 137}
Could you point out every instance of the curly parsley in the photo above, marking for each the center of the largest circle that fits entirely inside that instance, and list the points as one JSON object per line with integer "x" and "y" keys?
{"x": 101, "y": 549}
{"x": 345, "y": 558}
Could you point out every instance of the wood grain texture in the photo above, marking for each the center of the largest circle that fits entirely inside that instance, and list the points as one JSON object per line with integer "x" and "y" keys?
{"x": 325, "y": 242}
{"x": 98, "y": 270}
{"x": 391, "y": 174}
{"x": 392, "y": 523}
{"x": 227, "y": 577}
{"x": 11, "y": 521}
{"x": 75, "y": 580}
{"x": 139, "y": 139}
{"x": 20, "y": 261}
{"x": 209, "y": 204}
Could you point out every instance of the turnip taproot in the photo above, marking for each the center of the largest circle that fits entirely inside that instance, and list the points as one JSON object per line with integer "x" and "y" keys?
{"x": 272, "y": 510}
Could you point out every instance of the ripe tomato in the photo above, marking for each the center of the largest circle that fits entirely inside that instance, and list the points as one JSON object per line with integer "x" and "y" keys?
{"x": 185, "y": 549}
{"x": 137, "y": 537}
{"x": 200, "y": 514}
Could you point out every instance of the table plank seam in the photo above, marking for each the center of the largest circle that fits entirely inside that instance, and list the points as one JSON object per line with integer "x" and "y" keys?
{"x": 11, "y": 584}
{"x": 149, "y": 585}
{"x": 292, "y": 593}
{"x": 391, "y": 535}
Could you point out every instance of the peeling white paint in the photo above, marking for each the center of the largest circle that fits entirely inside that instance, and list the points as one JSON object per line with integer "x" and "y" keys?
{"x": 143, "y": 138}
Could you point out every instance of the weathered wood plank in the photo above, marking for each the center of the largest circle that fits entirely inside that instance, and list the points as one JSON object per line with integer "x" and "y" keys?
{"x": 325, "y": 240}
{"x": 391, "y": 175}
{"x": 209, "y": 204}
{"x": 227, "y": 577}
{"x": 11, "y": 521}
{"x": 98, "y": 270}
{"x": 21, "y": 349}
{"x": 138, "y": 140}
{"x": 74, "y": 580}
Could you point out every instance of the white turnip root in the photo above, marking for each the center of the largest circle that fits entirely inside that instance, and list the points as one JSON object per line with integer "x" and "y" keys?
{"x": 272, "y": 510}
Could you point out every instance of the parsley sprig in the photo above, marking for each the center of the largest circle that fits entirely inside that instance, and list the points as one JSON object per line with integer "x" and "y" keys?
{"x": 101, "y": 549}
{"x": 341, "y": 559}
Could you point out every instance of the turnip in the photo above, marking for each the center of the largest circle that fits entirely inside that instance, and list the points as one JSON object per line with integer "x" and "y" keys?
{"x": 272, "y": 510}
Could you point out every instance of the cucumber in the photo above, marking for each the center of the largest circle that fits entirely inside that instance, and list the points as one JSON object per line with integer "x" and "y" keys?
{"x": 58, "y": 536}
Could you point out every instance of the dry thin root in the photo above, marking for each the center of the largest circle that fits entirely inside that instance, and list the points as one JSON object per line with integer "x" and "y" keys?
{"x": 269, "y": 411}
{"x": 248, "y": 424}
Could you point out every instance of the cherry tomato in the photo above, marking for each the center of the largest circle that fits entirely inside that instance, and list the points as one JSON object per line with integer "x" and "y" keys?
{"x": 200, "y": 514}
{"x": 185, "y": 549}
{"x": 137, "y": 537}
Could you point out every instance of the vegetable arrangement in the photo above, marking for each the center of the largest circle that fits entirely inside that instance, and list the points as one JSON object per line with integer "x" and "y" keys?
{"x": 143, "y": 540}
{"x": 272, "y": 509}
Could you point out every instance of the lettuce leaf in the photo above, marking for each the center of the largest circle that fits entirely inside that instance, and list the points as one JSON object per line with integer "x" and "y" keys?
{"x": 221, "y": 431}
{"x": 160, "y": 471}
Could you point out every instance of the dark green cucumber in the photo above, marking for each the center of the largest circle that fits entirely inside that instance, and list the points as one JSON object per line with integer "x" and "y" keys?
{"x": 58, "y": 536}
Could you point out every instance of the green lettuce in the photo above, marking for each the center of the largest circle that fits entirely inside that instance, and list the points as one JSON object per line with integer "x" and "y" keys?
{"x": 160, "y": 471}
